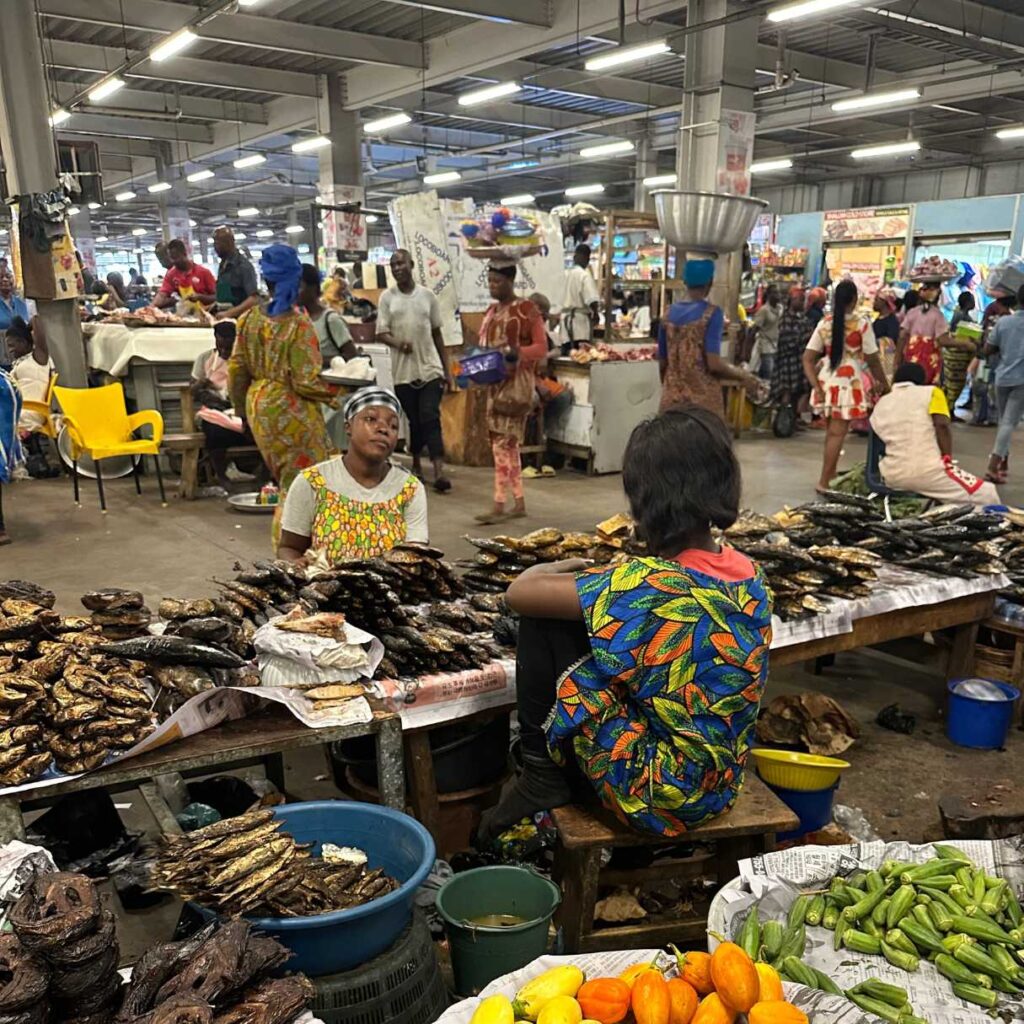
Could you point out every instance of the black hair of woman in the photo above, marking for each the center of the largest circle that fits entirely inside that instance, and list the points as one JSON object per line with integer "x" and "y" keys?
{"x": 681, "y": 478}
{"x": 844, "y": 300}
{"x": 910, "y": 373}
{"x": 966, "y": 301}
{"x": 225, "y": 329}
{"x": 21, "y": 329}
{"x": 911, "y": 299}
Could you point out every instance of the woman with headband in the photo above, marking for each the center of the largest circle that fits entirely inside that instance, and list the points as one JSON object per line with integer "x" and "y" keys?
{"x": 274, "y": 374}
{"x": 360, "y": 505}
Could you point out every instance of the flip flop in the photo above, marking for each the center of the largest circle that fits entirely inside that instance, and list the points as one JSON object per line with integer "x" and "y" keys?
{"x": 547, "y": 470}
{"x": 531, "y": 473}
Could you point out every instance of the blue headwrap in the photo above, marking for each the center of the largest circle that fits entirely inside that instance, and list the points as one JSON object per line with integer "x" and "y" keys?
{"x": 280, "y": 265}
{"x": 699, "y": 273}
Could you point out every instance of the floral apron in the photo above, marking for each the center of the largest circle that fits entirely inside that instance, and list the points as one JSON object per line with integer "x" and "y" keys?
{"x": 687, "y": 378}
{"x": 346, "y": 528}
{"x": 925, "y": 352}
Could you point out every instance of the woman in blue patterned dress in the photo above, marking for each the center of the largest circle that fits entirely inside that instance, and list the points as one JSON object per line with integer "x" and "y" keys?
{"x": 645, "y": 677}
{"x": 10, "y": 446}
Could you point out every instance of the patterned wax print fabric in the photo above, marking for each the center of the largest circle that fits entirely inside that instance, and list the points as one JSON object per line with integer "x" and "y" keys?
{"x": 847, "y": 396}
{"x": 10, "y": 410}
{"x": 788, "y": 373}
{"x": 661, "y": 713}
{"x": 346, "y": 528}
{"x": 280, "y": 359}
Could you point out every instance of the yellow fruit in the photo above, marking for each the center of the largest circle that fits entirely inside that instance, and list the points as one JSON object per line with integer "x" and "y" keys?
{"x": 536, "y": 994}
{"x": 560, "y": 1010}
{"x": 494, "y": 1010}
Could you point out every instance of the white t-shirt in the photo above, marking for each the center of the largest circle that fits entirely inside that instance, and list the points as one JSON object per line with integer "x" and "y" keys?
{"x": 580, "y": 293}
{"x": 412, "y": 318}
{"x": 32, "y": 378}
{"x": 300, "y": 504}
{"x": 332, "y": 333}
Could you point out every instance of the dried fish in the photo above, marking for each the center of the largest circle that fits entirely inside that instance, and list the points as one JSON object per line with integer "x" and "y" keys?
{"x": 173, "y": 650}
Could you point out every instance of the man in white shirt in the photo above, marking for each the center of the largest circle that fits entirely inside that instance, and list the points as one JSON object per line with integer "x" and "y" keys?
{"x": 409, "y": 323}
{"x": 579, "y": 310}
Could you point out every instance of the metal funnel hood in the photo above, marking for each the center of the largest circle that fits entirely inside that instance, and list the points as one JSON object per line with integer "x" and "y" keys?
{"x": 706, "y": 222}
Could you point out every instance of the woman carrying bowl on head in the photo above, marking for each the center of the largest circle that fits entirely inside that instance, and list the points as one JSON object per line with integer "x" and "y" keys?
{"x": 924, "y": 333}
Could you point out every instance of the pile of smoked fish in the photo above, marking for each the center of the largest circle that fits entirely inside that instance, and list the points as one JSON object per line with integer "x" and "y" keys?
{"x": 246, "y": 865}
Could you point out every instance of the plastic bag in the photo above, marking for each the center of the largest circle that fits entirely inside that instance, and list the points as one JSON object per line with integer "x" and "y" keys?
{"x": 1007, "y": 276}
{"x": 978, "y": 689}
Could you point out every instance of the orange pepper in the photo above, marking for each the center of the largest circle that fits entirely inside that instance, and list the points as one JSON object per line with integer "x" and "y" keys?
{"x": 604, "y": 999}
{"x": 650, "y": 999}
{"x": 683, "y": 1000}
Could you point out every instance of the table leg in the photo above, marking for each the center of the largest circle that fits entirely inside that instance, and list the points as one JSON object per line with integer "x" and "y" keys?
{"x": 731, "y": 851}
{"x": 159, "y": 808}
{"x": 961, "y": 654}
{"x": 12, "y": 824}
{"x": 576, "y": 871}
{"x": 390, "y": 763}
{"x": 273, "y": 765}
{"x": 422, "y": 784}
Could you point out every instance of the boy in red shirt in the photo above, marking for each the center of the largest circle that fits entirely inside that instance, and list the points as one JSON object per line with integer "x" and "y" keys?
{"x": 185, "y": 278}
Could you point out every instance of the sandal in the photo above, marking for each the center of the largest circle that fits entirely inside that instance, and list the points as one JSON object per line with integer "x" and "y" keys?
{"x": 547, "y": 470}
{"x": 490, "y": 518}
{"x": 531, "y": 473}
{"x": 442, "y": 485}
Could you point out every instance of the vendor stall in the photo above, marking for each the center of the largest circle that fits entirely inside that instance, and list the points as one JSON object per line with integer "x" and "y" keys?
{"x": 867, "y": 245}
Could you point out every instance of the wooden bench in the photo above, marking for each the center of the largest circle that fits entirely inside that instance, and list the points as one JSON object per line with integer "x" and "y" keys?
{"x": 584, "y": 832}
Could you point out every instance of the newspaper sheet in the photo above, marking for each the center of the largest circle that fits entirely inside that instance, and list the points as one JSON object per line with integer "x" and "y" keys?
{"x": 221, "y": 704}
{"x": 773, "y": 880}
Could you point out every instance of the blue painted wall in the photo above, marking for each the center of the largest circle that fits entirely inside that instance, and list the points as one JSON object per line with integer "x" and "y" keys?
{"x": 965, "y": 216}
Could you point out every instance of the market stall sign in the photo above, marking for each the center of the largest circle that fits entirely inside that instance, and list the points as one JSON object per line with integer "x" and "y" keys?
{"x": 867, "y": 224}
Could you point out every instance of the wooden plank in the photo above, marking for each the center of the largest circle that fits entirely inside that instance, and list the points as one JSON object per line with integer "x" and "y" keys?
{"x": 961, "y": 654}
{"x": 757, "y": 810}
{"x": 159, "y": 808}
{"x": 640, "y": 936}
{"x": 390, "y": 763}
{"x": 895, "y": 625}
{"x": 577, "y": 872}
{"x": 422, "y": 783}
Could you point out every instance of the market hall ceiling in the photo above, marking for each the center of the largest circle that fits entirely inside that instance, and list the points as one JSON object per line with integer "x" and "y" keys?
{"x": 250, "y": 84}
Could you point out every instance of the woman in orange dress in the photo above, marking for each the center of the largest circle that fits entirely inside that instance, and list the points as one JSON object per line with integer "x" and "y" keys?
{"x": 517, "y": 328}
{"x": 841, "y": 348}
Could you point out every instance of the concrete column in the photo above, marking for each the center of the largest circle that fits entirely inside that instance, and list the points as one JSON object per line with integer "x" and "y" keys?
{"x": 646, "y": 167}
{"x": 27, "y": 143}
{"x": 719, "y": 81}
{"x": 82, "y": 235}
{"x": 341, "y": 163}
{"x": 174, "y": 218}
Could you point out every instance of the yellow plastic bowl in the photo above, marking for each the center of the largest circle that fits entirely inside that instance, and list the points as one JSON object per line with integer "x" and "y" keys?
{"x": 791, "y": 770}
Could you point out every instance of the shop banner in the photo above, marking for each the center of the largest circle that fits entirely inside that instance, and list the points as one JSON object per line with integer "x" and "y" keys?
{"x": 735, "y": 151}
{"x": 867, "y": 224}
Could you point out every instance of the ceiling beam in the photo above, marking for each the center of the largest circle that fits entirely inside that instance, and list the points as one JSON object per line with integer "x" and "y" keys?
{"x": 576, "y": 82}
{"x": 245, "y": 30}
{"x": 62, "y": 53}
{"x": 826, "y": 70}
{"x": 471, "y": 50}
{"x": 965, "y": 20}
{"x": 200, "y": 108}
{"x": 83, "y": 123}
{"x": 521, "y": 12}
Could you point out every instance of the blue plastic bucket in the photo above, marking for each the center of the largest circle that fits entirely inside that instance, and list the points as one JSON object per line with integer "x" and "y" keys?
{"x": 981, "y": 724}
{"x": 812, "y": 807}
{"x": 328, "y": 943}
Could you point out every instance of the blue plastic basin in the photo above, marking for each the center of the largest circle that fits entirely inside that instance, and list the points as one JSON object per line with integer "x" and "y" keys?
{"x": 982, "y": 724}
{"x": 328, "y": 943}
{"x": 812, "y": 807}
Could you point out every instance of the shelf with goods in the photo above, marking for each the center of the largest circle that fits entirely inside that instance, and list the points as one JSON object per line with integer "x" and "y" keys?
{"x": 783, "y": 267}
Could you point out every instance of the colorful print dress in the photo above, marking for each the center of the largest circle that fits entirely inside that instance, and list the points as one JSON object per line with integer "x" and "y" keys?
{"x": 847, "y": 395}
{"x": 660, "y": 714}
{"x": 276, "y": 366}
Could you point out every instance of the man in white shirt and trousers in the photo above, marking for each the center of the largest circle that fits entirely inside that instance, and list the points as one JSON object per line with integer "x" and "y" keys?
{"x": 579, "y": 310}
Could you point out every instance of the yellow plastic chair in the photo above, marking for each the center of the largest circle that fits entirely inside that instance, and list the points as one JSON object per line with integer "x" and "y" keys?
{"x": 44, "y": 409}
{"x": 98, "y": 425}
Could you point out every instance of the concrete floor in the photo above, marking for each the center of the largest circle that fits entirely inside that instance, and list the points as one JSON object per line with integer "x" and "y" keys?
{"x": 175, "y": 550}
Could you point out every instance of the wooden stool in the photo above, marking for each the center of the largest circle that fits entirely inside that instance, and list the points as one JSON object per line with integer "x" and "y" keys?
{"x": 746, "y": 830}
{"x": 188, "y": 446}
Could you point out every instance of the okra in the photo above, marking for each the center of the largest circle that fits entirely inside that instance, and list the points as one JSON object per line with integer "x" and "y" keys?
{"x": 938, "y": 896}
{"x": 894, "y": 867}
{"x": 798, "y": 911}
{"x": 961, "y": 895}
{"x": 876, "y": 989}
{"x": 1002, "y": 985}
{"x": 869, "y": 926}
{"x": 919, "y": 872}
{"x": 977, "y": 959}
{"x": 749, "y": 938}
{"x": 793, "y": 941}
{"x": 831, "y": 915}
{"x": 815, "y": 910}
{"x": 863, "y": 907}
{"x": 943, "y": 882}
{"x": 976, "y": 994}
{"x": 986, "y": 931}
{"x": 947, "y": 852}
{"x": 898, "y": 958}
{"x": 993, "y": 898}
{"x": 796, "y": 969}
{"x": 873, "y": 881}
{"x": 1013, "y": 910}
{"x": 890, "y": 1014}
{"x": 771, "y": 939}
{"x": 909, "y": 1018}
{"x": 942, "y": 920}
{"x": 825, "y": 983}
{"x": 857, "y": 879}
{"x": 978, "y": 894}
{"x": 878, "y": 914}
{"x": 923, "y": 938}
{"x": 899, "y": 905}
{"x": 898, "y": 940}
{"x": 954, "y": 970}
{"x": 1002, "y": 956}
{"x": 842, "y": 927}
{"x": 952, "y": 942}
{"x": 921, "y": 915}
{"x": 965, "y": 876}
{"x": 843, "y": 896}
{"x": 861, "y": 942}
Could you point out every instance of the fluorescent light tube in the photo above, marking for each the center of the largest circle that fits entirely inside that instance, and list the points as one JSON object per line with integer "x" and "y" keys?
{"x": 240, "y": 236}
{"x": 294, "y": 229}
{"x": 607, "y": 149}
{"x": 372, "y": 218}
{"x": 524, "y": 199}
{"x": 660, "y": 179}
{"x": 265, "y": 233}
{"x": 248, "y": 211}
{"x": 138, "y": 231}
{"x": 308, "y": 145}
{"x": 94, "y": 206}
{"x": 160, "y": 186}
{"x": 73, "y": 211}
{"x": 382, "y": 124}
{"x": 626, "y": 55}
{"x": 781, "y": 164}
{"x": 488, "y": 93}
{"x": 878, "y": 99}
{"x": 174, "y": 43}
{"x": 806, "y": 8}
{"x": 584, "y": 190}
{"x": 200, "y": 175}
{"x": 1010, "y": 133}
{"x": 101, "y": 238}
{"x": 250, "y": 161}
{"x": 441, "y": 178}
{"x": 105, "y": 89}
{"x": 123, "y": 197}
{"x": 892, "y": 149}
{"x": 59, "y": 116}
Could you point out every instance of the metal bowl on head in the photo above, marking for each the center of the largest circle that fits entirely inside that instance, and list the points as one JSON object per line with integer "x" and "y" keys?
{"x": 707, "y": 222}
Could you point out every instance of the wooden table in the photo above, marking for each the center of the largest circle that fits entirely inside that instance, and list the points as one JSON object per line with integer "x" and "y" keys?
{"x": 261, "y": 738}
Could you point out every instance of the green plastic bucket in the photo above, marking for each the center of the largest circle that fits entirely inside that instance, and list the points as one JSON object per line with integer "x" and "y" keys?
{"x": 481, "y": 954}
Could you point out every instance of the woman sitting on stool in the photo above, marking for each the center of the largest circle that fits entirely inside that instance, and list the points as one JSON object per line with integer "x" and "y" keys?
{"x": 646, "y": 675}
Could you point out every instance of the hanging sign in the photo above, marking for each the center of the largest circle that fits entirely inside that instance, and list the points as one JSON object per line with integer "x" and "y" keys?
{"x": 735, "y": 151}
{"x": 867, "y": 224}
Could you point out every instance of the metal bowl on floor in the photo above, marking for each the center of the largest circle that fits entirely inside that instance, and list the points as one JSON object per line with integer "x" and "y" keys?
{"x": 706, "y": 222}
{"x": 113, "y": 468}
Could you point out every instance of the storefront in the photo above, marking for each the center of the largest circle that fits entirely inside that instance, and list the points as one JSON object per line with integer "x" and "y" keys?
{"x": 867, "y": 245}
